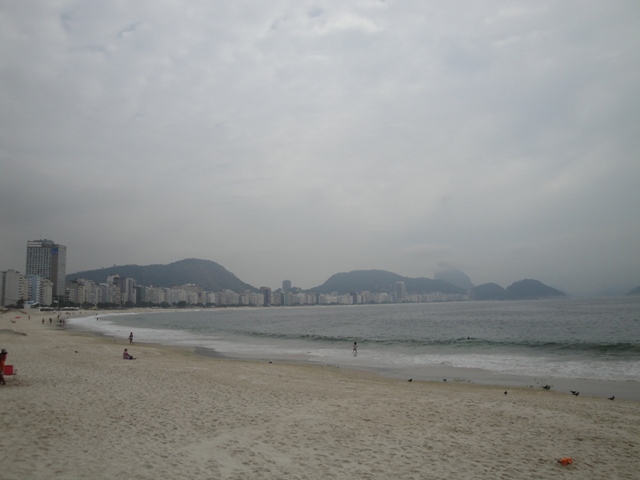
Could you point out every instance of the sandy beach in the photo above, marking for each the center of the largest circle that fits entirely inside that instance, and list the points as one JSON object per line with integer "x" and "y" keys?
{"x": 76, "y": 410}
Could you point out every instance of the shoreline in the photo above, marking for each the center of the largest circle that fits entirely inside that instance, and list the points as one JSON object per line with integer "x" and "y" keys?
{"x": 76, "y": 410}
{"x": 623, "y": 389}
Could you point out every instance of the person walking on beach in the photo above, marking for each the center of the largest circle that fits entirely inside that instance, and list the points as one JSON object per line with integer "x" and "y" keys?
{"x": 3, "y": 359}
{"x": 355, "y": 348}
{"x": 131, "y": 338}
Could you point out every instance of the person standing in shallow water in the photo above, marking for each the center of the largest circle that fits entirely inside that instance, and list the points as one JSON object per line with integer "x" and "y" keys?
{"x": 355, "y": 348}
{"x": 131, "y": 338}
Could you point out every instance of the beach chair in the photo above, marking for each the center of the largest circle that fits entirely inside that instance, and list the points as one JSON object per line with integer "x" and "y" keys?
{"x": 10, "y": 371}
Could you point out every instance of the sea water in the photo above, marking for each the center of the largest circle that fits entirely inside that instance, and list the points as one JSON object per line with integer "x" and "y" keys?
{"x": 589, "y": 339}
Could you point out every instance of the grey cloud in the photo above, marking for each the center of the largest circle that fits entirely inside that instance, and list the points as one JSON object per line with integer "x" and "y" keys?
{"x": 324, "y": 137}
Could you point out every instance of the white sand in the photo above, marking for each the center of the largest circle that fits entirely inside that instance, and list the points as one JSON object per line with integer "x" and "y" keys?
{"x": 174, "y": 414}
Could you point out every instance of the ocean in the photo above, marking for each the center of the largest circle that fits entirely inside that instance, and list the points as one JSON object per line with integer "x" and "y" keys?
{"x": 579, "y": 343}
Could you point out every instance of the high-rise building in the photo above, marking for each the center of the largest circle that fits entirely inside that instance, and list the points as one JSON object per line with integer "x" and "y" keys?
{"x": 401, "y": 291}
{"x": 266, "y": 292}
{"x": 48, "y": 260}
{"x": 286, "y": 285}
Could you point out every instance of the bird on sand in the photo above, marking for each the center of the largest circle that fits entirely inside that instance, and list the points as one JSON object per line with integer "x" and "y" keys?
{"x": 612, "y": 398}
{"x": 505, "y": 392}
{"x": 444, "y": 379}
{"x": 547, "y": 387}
{"x": 574, "y": 392}
{"x": 410, "y": 380}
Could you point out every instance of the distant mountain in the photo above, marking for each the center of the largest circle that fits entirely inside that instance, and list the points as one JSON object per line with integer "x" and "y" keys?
{"x": 531, "y": 289}
{"x": 209, "y": 275}
{"x": 489, "y": 291}
{"x": 635, "y": 291}
{"x": 377, "y": 281}
{"x": 454, "y": 277}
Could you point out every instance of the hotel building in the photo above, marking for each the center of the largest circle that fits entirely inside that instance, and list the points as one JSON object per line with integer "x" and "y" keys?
{"x": 48, "y": 260}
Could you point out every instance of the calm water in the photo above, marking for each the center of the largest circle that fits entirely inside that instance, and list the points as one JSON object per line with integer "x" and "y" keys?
{"x": 586, "y": 339}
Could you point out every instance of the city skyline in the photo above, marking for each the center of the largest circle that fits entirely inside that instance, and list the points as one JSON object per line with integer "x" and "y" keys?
{"x": 34, "y": 267}
{"x": 295, "y": 140}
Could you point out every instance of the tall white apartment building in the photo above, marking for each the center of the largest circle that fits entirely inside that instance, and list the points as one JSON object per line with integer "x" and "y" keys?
{"x": 40, "y": 290}
{"x": 48, "y": 260}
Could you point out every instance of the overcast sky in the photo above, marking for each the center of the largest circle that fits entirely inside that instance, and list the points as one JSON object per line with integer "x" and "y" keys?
{"x": 296, "y": 139}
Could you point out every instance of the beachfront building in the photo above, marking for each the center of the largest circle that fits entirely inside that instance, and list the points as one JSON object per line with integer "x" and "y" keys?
{"x": 48, "y": 260}
{"x": 40, "y": 290}
{"x": 266, "y": 292}
{"x": 127, "y": 288}
{"x": 401, "y": 292}
{"x": 86, "y": 291}
{"x": 14, "y": 287}
{"x": 108, "y": 293}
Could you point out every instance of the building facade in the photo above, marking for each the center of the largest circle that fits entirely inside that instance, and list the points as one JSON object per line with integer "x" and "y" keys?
{"x": 13, "y": 288}
{"x": 48, "y": 260}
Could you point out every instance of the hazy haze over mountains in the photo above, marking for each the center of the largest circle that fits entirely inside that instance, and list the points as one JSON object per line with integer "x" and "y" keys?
{"x": 296, "y": 139}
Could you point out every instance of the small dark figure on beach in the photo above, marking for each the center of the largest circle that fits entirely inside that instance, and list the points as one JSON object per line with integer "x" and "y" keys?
{"x": 126, "y": 355}
{"x": 3, "y": 359}
{"x": 131, "y": 338}
{"x": 355, "y": 348}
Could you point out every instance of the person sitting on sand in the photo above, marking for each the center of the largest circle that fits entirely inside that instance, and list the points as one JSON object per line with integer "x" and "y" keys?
{"x": 126, "y": 356}
{"x": 3, "y": 359}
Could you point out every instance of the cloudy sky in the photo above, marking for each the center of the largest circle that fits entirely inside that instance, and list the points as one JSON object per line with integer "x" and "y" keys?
{"x": 295, "y": 139}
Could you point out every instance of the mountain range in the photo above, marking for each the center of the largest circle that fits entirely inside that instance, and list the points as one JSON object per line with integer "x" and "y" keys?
{"x": 212, "y": 276}
{"x": 209, "y": 275}
{"x": 377, "y": 281}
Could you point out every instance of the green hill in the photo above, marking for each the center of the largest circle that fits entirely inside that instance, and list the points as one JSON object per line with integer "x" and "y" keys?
{"x": 489, "y": 291}
{"x": 531, "y": 289}
{"x": 211, "y": 276}
{"x": 377, "y": 281}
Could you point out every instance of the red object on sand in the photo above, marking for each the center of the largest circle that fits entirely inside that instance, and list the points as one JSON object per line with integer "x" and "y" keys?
{"x": 8, "y": 369}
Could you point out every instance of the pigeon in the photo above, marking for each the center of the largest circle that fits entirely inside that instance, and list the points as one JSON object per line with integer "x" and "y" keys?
{"x": 505, "y": 392}
{"x": 410, "y": 380}
{"x": 574, "y": 392}
{"x": 547, "y": 387}
{"x": 444, "y": 379}
{"x": 612, "y": 398}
